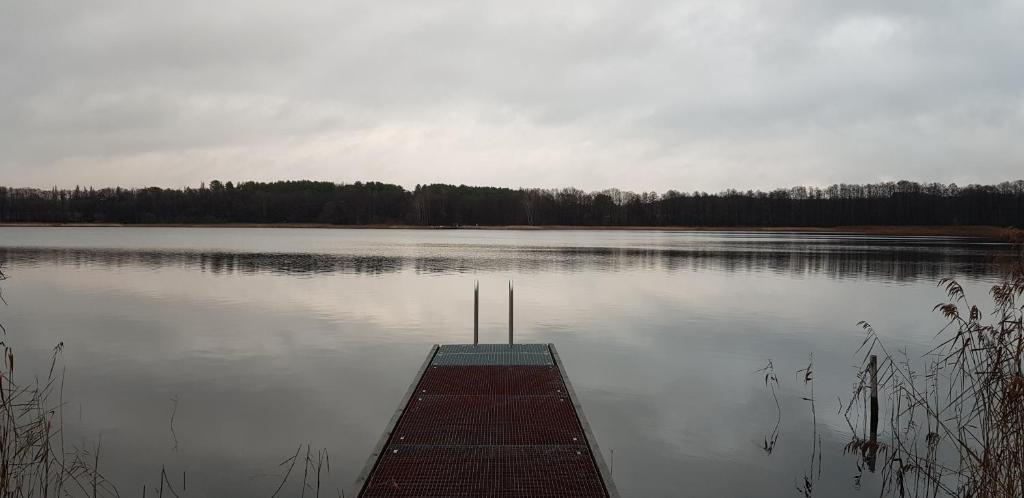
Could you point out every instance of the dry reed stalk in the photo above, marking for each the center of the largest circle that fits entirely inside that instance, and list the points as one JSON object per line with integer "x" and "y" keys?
{"x": 33, "y": 458}
{"x": 958, "y": 428}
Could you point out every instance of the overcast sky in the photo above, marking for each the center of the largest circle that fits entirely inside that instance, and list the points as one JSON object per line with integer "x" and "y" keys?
{"x": 637, "y": 94}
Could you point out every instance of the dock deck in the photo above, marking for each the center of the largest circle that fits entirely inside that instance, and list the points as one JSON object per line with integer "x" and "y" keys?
{"x": 494, "y": 420}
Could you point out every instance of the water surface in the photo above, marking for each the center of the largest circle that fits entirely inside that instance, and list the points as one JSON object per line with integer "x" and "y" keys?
{"x": 272, "y": 338}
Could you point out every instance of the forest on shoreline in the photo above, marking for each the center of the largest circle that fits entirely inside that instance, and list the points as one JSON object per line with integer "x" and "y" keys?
{"x": 902, "y": 203}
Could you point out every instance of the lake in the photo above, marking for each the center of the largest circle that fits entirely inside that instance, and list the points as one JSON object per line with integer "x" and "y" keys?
{"x": 250, "y": 342}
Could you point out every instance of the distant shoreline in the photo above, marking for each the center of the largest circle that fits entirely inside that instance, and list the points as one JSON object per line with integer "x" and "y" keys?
{"x": 969, "y": 231}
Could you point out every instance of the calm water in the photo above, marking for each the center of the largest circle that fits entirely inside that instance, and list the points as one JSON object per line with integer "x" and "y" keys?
{"x": 273, "y": 338}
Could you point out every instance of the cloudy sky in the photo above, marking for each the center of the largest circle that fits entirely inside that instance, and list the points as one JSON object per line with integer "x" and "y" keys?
{"x": 637, "y": 94}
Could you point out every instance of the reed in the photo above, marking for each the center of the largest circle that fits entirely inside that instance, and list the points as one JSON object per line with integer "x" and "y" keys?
{"x": 315, "y": 468}
{"x": 956, "y": 415}
{"x": 34, "y": 460}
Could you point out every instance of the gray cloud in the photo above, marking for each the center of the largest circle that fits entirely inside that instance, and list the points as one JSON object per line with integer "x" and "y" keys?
{"x": 646, "y": 95}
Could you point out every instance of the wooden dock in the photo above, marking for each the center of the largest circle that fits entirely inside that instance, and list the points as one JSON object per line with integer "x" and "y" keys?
{"x": 488, "y": 420}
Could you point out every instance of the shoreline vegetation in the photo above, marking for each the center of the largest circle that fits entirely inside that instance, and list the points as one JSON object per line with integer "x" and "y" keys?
{"x": 36, "y": 461}
{"x": 955, "y": 413}
{"x": 375, "y": 205}
{"x": 986, "y": 232}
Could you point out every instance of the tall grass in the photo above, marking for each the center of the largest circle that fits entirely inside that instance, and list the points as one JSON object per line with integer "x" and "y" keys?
{"x": 956, "y": 424}
{"x": 34, "y": 460}
{"x": 955, "y": 415}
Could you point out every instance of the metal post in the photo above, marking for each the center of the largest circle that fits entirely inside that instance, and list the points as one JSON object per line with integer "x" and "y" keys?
{"x": 510, "y": 313}
{"x": 476, "y": 313}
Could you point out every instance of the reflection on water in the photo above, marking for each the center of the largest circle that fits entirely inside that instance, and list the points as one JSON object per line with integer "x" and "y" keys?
{"x": 904, "y": 262}
{"x": 272, "y": 338}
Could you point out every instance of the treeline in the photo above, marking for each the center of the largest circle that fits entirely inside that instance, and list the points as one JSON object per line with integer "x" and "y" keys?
{"x": 890, "y": 203}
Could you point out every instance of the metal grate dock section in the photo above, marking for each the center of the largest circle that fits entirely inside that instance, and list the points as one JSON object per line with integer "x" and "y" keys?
{"x": 493, "y": 354}
{"x": 492, "y": 420}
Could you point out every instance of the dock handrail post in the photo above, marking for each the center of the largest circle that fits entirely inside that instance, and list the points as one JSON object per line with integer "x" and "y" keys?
{"x": 476, "y": 313}
{"x": 509, "y": 312}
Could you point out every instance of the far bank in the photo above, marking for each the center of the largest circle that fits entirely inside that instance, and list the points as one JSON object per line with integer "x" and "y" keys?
{"x": 992, "y": 233}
